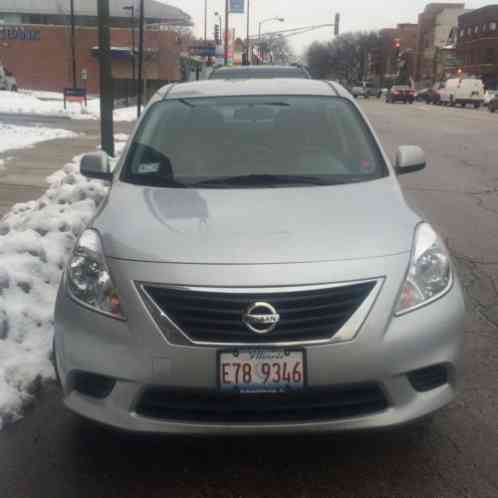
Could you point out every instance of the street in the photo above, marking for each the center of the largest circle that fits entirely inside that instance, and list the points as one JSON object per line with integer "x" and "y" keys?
{"x": 53, "y": 454}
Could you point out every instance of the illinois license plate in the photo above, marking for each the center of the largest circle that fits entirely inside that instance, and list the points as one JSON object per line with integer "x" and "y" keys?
{"x": 261, "y": 370}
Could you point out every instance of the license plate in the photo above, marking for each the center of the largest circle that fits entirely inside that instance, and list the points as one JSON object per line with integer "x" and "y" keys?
{"x": 261, "y": 370}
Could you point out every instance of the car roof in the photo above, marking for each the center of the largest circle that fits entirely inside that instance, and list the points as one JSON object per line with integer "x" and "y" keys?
{"x": 254, "y": 87}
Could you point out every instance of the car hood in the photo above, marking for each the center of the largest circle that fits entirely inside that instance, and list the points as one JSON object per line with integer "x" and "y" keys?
{"x": 256, "y": 226}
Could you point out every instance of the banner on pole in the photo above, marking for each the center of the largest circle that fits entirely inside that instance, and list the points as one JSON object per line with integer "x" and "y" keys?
{"x": 237, "y": 6}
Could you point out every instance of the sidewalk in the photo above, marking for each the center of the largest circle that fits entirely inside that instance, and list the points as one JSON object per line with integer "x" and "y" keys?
{"x": 27, "y": 169}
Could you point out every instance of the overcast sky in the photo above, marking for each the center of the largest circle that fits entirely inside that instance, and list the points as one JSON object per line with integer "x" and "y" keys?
{"x": 355, "y": 15}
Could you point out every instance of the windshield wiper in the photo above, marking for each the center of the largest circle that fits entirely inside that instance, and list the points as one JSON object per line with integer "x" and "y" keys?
{"x": 263, "y": 180}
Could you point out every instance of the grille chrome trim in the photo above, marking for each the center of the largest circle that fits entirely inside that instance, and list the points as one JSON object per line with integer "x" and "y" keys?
{"x": 174, "y": 335}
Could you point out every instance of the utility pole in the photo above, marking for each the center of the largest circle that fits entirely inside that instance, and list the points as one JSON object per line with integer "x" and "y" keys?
{"x": 205, "y": 20}
{"x": 227, "y": 26}
{"x": 141, "y": 60}
{"x": 73, "y": 45}
{"x": 106, "y": 90}
{"x": 131, "y": 9}
{"x": 249, "y": 54}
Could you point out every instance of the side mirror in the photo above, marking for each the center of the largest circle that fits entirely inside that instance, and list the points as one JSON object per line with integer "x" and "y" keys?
{"x": 96, "y": 165}
{"x": 409, "y": 159}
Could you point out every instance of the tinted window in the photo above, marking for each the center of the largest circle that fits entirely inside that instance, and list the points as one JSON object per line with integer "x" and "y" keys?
{"x": 188, "y": 141}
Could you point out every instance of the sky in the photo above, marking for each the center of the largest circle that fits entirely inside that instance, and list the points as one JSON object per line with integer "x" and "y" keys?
{"x": 355, "y": 15}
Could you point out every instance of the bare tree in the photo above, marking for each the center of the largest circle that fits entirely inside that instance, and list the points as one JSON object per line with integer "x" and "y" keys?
{"x": 344, "y": 59}
{"x": 279, "y": 47}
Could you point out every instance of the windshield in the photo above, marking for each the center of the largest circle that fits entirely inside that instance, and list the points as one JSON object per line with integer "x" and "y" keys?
{"x": 253, "y": 141}
{"x": 258, "y": 73}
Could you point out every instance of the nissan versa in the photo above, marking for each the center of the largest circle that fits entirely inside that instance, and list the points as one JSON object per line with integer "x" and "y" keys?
{"x": 255, "y": 268}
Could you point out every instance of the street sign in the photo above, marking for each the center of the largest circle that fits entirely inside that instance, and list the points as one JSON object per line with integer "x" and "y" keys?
{"x": 237, "y": 6}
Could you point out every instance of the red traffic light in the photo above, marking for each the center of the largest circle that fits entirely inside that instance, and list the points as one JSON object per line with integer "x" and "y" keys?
{"x": 397, "y": 45}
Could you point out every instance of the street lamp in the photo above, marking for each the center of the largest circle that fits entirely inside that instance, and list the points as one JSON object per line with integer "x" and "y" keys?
{"x": 279, "y": 19}
{"x": 131, "y": 10}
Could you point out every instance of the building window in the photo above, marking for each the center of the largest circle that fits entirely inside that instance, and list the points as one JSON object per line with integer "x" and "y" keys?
{"x": 476, "y": 30}
{"x": 484, "y": 28}
{"x": 492, "y": 26}
{"x": 462, "y": 33}
{"x": 469, "y": 31}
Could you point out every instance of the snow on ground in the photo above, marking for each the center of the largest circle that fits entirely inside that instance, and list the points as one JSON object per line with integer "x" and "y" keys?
{"x": 28, "y": 103}
{"x": 21, "y": 137}
{"x": 36, "y": 239}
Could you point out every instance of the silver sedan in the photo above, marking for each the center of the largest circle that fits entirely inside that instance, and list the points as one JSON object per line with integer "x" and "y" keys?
{"x": 256, "y": 268}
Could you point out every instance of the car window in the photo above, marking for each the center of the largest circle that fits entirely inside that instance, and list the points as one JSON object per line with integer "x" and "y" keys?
{"x": 259, "y": 73}
{"x": 182, "y": 143}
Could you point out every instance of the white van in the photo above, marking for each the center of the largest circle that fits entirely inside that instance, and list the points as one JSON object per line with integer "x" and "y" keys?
{"x": 463, "y": 91}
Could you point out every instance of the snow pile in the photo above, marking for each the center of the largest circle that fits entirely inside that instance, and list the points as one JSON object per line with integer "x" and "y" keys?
{"x": 21, "y": 137}
{"x": 25, "y": 103}
{"x": 36, "y": 239}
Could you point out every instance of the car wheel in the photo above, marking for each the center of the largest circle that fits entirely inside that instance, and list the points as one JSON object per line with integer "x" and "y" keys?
{"x": 14, "y": 88}
{"x": 477, "y": 106}
{"x": 491, "y": 109}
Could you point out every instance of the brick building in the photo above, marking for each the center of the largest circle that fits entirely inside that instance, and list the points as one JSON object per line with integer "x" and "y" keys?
{"x": 477, "y": 45}
{"x": 35, "y": 43}
{"x": 434, "y": 28}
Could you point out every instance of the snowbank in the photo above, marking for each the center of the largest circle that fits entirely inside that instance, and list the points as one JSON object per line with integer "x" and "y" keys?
{"x": 24, "y": 103}
{"x": 21, "y": 137}
{"x": 36, "y": 239}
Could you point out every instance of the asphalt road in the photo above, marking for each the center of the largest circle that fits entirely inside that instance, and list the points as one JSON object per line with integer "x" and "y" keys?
{"x": 52, "y": 454}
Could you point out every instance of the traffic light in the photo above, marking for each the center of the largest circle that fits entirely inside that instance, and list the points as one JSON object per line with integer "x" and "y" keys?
{"x": 217, "y": 34}
{"x": 397, "y": 46}
{"x": 337, "y": 23}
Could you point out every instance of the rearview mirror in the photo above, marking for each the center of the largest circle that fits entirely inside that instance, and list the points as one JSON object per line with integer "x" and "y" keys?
{"x": 96, "y": 165}
{"x": 409, "y": 159}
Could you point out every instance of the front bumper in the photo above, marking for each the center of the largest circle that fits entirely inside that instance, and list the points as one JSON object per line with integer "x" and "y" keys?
{"x": 137, "y": 356}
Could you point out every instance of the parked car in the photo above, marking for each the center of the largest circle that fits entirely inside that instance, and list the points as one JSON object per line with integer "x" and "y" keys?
{"x": 8, "y": 81}
{"x": 401, "y": 93}
{"x": 489, "y": 95}
{"x": 457, "y": 91}
{"x": 259, "y": 72}
{"x": 271, "y": 279}
{"x": 371, "y": 90}
{"x": 383, "y": 93}
{"x": 359, "y": 91}
{"x": 424, "y": 95}
{"x": 493, "y": 104}
{"x": 435, "y": 95}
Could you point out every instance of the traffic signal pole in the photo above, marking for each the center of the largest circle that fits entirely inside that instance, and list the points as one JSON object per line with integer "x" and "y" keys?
{"x": 106, "y": 89}
{"x": 140, "y": 95}
{"x": 73, "y": 45}
{"x": 227, "y": 15}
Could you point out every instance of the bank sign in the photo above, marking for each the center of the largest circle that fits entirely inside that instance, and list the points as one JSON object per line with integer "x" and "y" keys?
{"x": 7, "y": 34}
{"x": 237, "y": 6}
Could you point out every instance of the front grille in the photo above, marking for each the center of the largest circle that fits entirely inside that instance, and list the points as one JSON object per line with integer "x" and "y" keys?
{"x": 216, "y": 317}
{"x": 217, "y": 407}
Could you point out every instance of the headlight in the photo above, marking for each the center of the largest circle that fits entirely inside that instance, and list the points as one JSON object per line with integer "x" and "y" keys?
{"x": 88, "y": 278}
{"x": 429, "y": 276}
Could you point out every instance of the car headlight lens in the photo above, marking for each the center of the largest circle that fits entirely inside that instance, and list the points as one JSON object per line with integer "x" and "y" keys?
{"x": 88, "y": 277}
{"x": 429, "y": 276}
